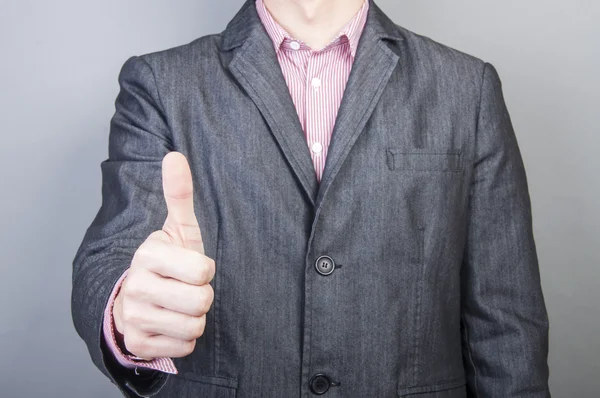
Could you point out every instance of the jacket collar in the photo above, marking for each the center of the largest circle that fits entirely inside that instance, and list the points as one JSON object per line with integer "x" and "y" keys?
{"x": 246, "y": 21}
{"x": 351, "y": 31}
{"x": 254, "y": 65}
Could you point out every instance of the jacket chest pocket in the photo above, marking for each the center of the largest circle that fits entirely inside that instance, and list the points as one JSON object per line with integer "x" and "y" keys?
{"x": 404, "y": 159}
{"x": 421, "y": 192}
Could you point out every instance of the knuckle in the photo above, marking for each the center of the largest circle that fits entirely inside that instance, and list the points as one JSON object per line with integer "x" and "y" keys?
{"x": 129, "y": 316}
{"x": 195, "y": 328}
{"x": 148, "y": 252}
{"x": 202, "y": 327}
{"x": 202, "y": 274}
{"x": 134, "y": 287}
{"x": 205, "y": 299}
{"x": 196, "y": 257}
{"x": 142, "y": 254}
{"x": 198, "y": 262}
{"x": 188, "y": 347}
{"x": 210, "y": 293}
{"x": 211, "y": 268}
{"x": 207, "y": 268}
{"x": 133, "y": 317}
{"x": 137, "y": 346}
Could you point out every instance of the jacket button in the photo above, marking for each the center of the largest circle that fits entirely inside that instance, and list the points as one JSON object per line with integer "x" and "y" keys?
{"x": 319, "y": 384}
{"x": 325, "y": 265}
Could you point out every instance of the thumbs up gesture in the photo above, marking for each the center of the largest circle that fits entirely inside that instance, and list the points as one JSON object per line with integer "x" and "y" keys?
{"x": 161, "y": 307}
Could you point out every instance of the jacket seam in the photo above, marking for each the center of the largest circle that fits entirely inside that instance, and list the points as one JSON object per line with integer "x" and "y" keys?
{"x": 465, "y": 325}
{"x": 470, "y": 357}
{"x": 217, "y": 300}
{"x": 419, "y": 287}
{"x": 478, "y": 115}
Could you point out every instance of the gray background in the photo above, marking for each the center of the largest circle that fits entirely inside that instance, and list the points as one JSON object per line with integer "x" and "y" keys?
{"x": 58, "y": 82}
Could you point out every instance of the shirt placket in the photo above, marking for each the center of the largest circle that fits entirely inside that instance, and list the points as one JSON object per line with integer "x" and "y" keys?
{"x": 316, "y": 107}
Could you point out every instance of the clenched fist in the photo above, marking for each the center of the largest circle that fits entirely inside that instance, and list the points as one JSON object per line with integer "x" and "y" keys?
{"x": 162, "y": 305}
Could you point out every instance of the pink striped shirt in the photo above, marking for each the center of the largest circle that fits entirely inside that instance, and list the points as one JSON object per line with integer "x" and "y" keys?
{"x": 316, "y": 81}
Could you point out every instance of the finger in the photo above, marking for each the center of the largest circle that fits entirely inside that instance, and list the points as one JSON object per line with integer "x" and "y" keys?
{"x": 187, "y": 299}
{"x": 169, "y": 293}
{"x": 149, "y": 347}
{"x": 181, "y": 223}
{"x": 172, "y": 261}
{"x": 159, "y": 321}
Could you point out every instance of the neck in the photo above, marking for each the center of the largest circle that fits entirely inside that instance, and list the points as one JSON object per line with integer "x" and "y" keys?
{"x": 315, "y": 22}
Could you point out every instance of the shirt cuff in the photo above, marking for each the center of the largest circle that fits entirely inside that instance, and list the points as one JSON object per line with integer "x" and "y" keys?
{"x": 129, "y": 361}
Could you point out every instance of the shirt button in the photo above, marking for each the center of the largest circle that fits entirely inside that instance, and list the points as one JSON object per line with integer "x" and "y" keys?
{"x": 316, "y": 82}
{"x": 295, "y": 45}
{"x": 319, "y": 384}
{"x": 317, "y": 147}
{"x": 325, "y": 265}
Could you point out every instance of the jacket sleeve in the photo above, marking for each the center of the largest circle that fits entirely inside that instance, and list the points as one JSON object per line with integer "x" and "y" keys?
{"x": 504, "y": 323}
{"x": 132, "y": 208}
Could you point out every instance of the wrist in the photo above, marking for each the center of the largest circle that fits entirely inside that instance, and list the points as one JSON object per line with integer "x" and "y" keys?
{"x": 116, "y": 317}
{"x": 117, "y": 328}
{"x": 120, "y": 340}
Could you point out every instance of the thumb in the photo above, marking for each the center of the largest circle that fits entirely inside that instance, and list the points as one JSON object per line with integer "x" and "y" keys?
{"x": 181, "y": 223}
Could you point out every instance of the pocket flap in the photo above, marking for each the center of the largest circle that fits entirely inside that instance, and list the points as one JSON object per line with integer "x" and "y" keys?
{"x": 423, "y": 160}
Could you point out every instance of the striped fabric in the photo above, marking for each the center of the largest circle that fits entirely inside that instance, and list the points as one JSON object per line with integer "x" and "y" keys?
{"x": 316, "y": 80}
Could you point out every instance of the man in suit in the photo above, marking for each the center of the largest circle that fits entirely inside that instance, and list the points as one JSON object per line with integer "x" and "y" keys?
{"x": 314, "y": 202}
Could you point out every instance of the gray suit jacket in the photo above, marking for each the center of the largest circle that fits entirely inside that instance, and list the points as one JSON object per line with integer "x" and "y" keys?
{"x": 423, "y": 210}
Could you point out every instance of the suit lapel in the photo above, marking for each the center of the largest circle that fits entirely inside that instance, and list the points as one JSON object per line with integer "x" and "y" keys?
{"x": 371, "y": 70}
{"x": 256, "y": 68}
{"x": 253, "y": 63}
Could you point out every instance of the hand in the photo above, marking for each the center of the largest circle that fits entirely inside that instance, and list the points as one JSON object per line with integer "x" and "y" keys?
{"x": 161, "y": 307}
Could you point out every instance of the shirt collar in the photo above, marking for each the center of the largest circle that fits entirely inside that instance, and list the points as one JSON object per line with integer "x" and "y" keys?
{"x": 352, "y": 30}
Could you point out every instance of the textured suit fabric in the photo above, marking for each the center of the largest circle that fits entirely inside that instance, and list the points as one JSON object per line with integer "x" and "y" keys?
{"x": 423, "y": 202}
{"x": 316, "y": 108}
